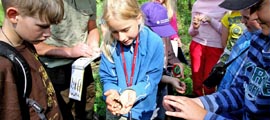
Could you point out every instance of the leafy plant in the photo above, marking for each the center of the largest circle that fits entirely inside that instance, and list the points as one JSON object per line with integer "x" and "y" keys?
{"x": 1, "y": 14}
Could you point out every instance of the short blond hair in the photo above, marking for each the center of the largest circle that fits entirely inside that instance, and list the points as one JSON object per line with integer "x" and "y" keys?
{"x": 51, "y": 11}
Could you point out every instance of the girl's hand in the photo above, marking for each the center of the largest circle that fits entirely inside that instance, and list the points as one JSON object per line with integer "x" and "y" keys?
{"x": 113, "y": 101}
{"x": 205, "y": 18}
{"x": 178, "y": 42}
{"x": 179, "y": 86}
{"x": 182, "y": 88}
{"x": 196, "y": 21}
{"x": 127, "y": 98}
{"x": 182, "y": 75}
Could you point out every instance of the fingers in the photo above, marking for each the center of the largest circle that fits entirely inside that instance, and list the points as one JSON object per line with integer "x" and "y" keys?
{"x": 83, "y": 50}
{"x": 181, "y": 91}
{"x": 88, "y": 51}
{"x": 175, "y": 105}
{"x": 128, "y": 97}
{"x": 95, "y": 51}
{"x": 170, "y": 101}
{"x": 131, "y": 98}
{"x": 111, "y": 92}
{"x": 125, "y": 110}
{"x": 182, "y": 88}
{"x": 167, "y": 106}
{"x": 174, "y": 114}
{"x": 117, "y": 104}
{"x": 113, "y": 102}
{"x": 112, "y": 98}
{"x": 175, "y": 98}
{"x": 183, "y": 85}
{"x": 184, "y": 107}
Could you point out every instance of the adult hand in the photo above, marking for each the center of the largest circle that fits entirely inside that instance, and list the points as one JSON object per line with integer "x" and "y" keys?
{"x": 95, "y": 51}
{"x": 183, "y": 107}
{"x": 80, "y": 50}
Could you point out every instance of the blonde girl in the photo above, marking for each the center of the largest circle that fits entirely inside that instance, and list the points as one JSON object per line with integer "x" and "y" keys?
{"x": 131, "y": 62}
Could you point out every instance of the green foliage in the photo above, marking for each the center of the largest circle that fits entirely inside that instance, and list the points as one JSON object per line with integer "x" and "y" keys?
{"x": 187, "y": 80}
{"x": 183, "y": 18}
{"x": 100, "y": 105}
{"x": 142, "y": 1}
{"x": 1, "y": 15}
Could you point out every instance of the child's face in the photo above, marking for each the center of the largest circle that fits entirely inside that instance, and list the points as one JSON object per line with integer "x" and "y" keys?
{"x": 125, "y": 31}
{"x": 263, "y": 15}
{"x": 32, "y": 30}
{"x": 251, "y": 23}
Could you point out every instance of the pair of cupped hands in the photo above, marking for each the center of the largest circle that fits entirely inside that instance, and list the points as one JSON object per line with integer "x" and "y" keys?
{"x": 200, "y": 18}
{"x": 120, "y": 104}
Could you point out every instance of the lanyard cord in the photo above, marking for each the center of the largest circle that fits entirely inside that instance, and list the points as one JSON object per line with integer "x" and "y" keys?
{"x": 129, "y": 83}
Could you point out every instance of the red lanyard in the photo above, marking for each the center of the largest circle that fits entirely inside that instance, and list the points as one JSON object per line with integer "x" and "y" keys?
{"x": 133, "y": 63}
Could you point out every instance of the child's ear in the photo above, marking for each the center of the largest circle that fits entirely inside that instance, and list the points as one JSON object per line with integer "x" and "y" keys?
{"x": 12, "y": 14}
{"x": 140, "y": 19}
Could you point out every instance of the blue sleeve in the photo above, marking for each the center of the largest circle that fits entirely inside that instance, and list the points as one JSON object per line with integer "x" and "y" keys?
{"x": 107, "y": 74}
{"x": 213, "y": 116}
{"x": 225, "y": 101}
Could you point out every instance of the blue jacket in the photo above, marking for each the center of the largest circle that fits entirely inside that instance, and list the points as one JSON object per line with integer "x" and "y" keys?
{"x": 148, "y": 72}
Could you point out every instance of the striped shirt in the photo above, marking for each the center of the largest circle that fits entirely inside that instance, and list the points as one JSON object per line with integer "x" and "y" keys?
{"x": 234, "y": 68}
{"x": 251, "y": 89}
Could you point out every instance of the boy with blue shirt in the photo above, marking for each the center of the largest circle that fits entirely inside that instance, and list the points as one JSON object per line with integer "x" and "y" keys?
{"x": 250, "y": 91}
{"x": 241, "y": 44}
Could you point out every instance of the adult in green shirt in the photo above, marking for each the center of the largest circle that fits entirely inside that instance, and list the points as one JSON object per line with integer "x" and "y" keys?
{"x": 76, "y": 36}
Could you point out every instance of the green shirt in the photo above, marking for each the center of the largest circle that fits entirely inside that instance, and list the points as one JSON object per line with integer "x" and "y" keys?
{"x": 73, "y": 29}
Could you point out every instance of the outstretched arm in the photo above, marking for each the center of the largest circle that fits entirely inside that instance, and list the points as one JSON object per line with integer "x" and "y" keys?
{"x": 183, "y": 107}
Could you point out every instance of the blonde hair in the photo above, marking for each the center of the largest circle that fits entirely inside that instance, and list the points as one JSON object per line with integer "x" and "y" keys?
{"x": 170, "y": 5}
{"x": 117, "y": 10}
{"x": 51, "y": 11}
